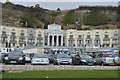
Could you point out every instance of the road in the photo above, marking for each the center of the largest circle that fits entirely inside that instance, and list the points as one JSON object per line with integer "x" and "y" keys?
{"x": 29, "y": 67}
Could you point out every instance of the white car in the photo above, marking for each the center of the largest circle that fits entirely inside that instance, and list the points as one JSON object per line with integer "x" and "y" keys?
{"x": 40, "y": 59}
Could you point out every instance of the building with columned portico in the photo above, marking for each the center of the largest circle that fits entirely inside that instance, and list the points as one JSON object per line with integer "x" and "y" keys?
{"x": 56, "y": 38}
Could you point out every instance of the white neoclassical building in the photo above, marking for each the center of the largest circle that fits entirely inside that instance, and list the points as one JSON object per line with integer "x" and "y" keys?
{"x": 54, "y": 36}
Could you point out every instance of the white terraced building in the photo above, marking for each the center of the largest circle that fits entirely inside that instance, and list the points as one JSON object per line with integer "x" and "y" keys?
{"x": 56, "y": 38}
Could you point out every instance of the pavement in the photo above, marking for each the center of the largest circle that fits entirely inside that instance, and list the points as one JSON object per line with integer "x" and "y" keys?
{"x": 29, "y": 67}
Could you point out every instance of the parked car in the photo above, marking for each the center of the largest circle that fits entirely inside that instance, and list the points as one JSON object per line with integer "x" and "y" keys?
{"x": 27, "y": 58}
{"x": 40, "y": 59}
{"x": 93, "y": 54}
{"x": 106, "y": 58}
{"x": 62, "y": 59}
{"x": 51, "y": 57}
{"x": 15, "y": 57}
{"x": 1, "y": 55}
{"x": 83, "y": 59}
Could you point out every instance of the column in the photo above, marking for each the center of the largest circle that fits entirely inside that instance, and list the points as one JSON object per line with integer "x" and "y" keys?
{"x": 57, "y": 39}
{"x": 48, "y": 40}
{"x": 62, "y": 40}
{"x": 53, "y": 40}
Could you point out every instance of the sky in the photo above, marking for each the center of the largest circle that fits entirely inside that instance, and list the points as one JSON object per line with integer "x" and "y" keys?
{"x": 63, "y": 4}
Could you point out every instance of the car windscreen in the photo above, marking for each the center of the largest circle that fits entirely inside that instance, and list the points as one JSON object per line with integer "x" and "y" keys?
{"x": 110, "y": 55}
{"x": 63, "y": 56}
{"x": 40, "y": 56}
{"x": 85, "y": 56}
{"x": 15, "y": 54}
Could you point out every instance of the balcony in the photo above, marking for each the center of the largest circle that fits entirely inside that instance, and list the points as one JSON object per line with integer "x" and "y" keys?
{"x": 22, "y": 41}
{"x": 71, "y": 43}
{"x": 106, "y": 42}
{"x": 11, "y": 41}
{"x": 31, "y": 41}
{"x": 4, "y": 39}
{"x": 115, "y": 42}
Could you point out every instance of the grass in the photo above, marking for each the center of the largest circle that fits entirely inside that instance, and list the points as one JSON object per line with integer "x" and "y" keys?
{"x": 64, "y": 74}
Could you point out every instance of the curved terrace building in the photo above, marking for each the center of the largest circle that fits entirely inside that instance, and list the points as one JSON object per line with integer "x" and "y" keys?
{"x": 55, "y": 37}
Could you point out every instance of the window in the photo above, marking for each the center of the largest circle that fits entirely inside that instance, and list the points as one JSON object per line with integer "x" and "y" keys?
{"x": 71, "y": 36}
{"x": 106, "y": 36}
{"x": 79, "y": 36}
{"x": 13, "y": 29}
{"x": 13, "y": 44}
{"x": 70, "y": 32}
{"x": 80, "y": 41}
{"x": 13, "y": 33}
{"x": 88, "y": 32}
{"x": 22, "y": 34}
{"x": 97, "y": 36}
{"x": 97, "y": 32}
{"x": 88, "y": 36}
{"x": 100, "y": 55}
{"x": 97, "y": 41}
{"x": 106, "y": 32}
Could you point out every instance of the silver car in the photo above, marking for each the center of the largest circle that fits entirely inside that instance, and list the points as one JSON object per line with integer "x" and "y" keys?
{"x": 62, "y": 59}
{"x": 40, "y": 59}
{"x": 106, "y": 58}
{"x": 1, "y": 57}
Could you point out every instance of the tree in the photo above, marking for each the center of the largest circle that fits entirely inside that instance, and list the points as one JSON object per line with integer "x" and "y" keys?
{"x": 58, "y": 9}
{"x": 69, "y": 18}
{"x": 95, "y": 18}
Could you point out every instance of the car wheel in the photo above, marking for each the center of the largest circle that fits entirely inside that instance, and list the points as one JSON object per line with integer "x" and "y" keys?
{"x": 82, "y": 63}
{"x": 102, "y": 64}
{"x": 6, "y": 63}
{"x": 54, "y": 63}
{"x": 23, "y": 63}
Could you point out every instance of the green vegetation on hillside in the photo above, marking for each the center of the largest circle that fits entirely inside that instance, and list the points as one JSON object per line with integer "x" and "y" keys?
{"x": 69, "y": 18}
{"x": 95, "y": 18}
{"x": 35, "y": 17}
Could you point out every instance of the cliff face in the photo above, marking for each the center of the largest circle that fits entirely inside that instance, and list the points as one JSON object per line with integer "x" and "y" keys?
{"x": 21, "y": 16}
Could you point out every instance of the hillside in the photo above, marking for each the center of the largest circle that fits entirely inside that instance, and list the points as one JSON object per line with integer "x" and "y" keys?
{"x": 37, "y": 17}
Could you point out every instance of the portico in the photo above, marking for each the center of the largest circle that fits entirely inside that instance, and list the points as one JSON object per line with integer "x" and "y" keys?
{"x": 54, "y": 35}
{"x": 55, "y": 40}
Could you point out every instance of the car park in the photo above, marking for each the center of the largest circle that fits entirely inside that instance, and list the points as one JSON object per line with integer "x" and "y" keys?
{"x": 15, "y": 57}
{"x": 40, "y": 59}
{"x": 83, "y": 59}
{"x": 62, "y": 59}
{"x": 106, "y": 58}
